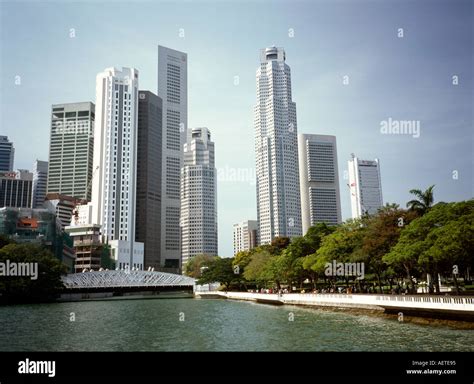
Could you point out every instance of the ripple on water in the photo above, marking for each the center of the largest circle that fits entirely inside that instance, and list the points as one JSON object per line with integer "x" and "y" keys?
{"x": 213, "y": 325}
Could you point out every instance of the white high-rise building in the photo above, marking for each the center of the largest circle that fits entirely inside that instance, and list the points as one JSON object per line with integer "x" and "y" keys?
{"x": 40, "y": 180}
{"x": 319, "y": 180}
{"x": 173, "y": 90}
{"x": 278, "y": 189}
{"x": 115, "y": 154}
{"x": 365, "y": 186}
{"x": 245, "y": 235}
{"x": 198, "y": 196}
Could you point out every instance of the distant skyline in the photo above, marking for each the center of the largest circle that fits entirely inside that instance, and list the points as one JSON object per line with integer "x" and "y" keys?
{"x": 57, "y": 50}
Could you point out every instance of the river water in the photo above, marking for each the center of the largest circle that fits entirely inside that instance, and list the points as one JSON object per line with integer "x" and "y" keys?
{"x": 212, "y": 325}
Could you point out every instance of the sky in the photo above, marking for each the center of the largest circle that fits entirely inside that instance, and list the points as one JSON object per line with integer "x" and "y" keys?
{"x": 354, "y": 64}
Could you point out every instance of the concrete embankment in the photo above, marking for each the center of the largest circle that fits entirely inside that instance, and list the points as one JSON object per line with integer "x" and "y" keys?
{"x": 439, "y": 307}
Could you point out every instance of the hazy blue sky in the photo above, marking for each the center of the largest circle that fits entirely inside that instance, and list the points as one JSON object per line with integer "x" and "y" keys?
{"x": 407, "y": 78}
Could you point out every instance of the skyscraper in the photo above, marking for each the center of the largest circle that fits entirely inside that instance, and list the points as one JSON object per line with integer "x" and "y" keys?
{"x": 173, "y": 90}
{"x": 7, "y": 154}
{"x": 71, "y": 149}
{"x": 149, "y": 148}
{"x": 365, "y": 186}
{"x": 245, "y": 235}
{"x": 278, "y": 191}
{"x": 40, "y": 180}
{"x": 15, "y": 189}
{"x": 319, "y": 180}
{"x": 115, "y": 154}
{"x": 198, "y": 196}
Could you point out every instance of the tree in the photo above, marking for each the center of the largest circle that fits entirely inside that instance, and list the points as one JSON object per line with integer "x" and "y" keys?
{"x": 5, "y": 240}
{"x": 279, "y": 243}
{"x": 381, "y": 234}
{"x": 242, "y": 259}
{"x": 340, "y": 246}
{"x": 451, "y": 245}
{"x": 258, "y": 268}
{"x": 423, "y": 202}
{"x": 194, "y": 265}
{"x": 23, "y": 288}
{"x": 106, "y": 260}
{"x": 219, "y": 270}
{"x": 432, "y": 242}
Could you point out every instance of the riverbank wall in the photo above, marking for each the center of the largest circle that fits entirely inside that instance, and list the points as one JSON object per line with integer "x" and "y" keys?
{"x": 440, "y": 307}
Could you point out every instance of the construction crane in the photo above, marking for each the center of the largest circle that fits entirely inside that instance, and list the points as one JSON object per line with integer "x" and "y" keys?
{"x": 84, "y": 200}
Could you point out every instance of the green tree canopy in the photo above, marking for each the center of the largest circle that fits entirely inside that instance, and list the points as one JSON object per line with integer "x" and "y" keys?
{"x": 258, "y": 268}
{"x": 219, "y": 270}
{"x": 436, "y": 241}
{"x": 194, "y": 265}
{"x": 23, "y": 288}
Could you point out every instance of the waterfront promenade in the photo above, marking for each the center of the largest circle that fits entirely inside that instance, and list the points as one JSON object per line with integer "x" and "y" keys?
{"x": 461, "y": 307}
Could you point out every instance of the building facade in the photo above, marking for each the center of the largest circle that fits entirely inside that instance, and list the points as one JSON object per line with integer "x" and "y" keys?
{"x": 38, "y": 226}
{"x": 71, "y": 149}
{"x": 149, "y": 144}
{"x": 40, "y": 181}
{"x": 7, "y": 154}
{"x": 198, "y": 196}
{"x": 62, "y": 206}
{"x": 173, "y": 90}
{"x": 26, "y": 225}
{"x": 245, "y": 235}
{"x": 115, "y": 154}
{"x": 319, "y": 180}
{"x": 365, "y": 186}
{"x": 87, "y": 246}
{"x": 278, "y": 191}
{"x": 16, "y": 189}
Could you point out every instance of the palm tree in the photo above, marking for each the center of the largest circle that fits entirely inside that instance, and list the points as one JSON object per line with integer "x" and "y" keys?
{"x": 423, "y": 202}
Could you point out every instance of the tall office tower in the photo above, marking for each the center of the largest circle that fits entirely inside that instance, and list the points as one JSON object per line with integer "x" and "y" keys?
{"x": 319, "y": 180}
{"x": 245, "y": 235}
{"x": 115, "y": 155}
{"x": 198, "y": 196}
{"x": 278, "y": 190}
{"x": 15, "y": 189}
{"x": 71, "y": 149}
{"x": 148, "y": 222}
{"x": 173, "y": 90}
{"x": 365, "y": 186}
{"x": 7, "y": 154}
{"x": 40, "y": 180}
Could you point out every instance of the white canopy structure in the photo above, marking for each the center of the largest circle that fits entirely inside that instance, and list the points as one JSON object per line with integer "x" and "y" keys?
{"x": 109, "y": 279}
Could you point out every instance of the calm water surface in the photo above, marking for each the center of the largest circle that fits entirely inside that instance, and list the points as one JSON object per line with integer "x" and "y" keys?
{"x": 212, "y": 325}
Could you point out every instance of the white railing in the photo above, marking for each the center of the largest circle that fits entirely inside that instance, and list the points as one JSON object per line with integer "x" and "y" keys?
{"x": 461, "y": 303}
